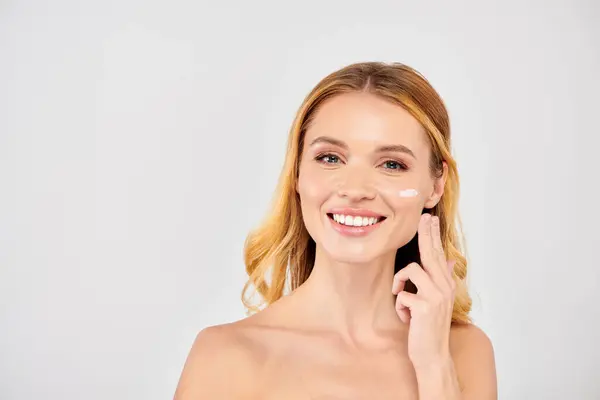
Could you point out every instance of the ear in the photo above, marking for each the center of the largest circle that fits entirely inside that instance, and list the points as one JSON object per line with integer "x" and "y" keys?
{"x": 438, "y": 188}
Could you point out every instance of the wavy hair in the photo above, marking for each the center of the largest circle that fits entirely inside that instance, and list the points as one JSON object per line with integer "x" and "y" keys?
{"x": 280, "y": 253}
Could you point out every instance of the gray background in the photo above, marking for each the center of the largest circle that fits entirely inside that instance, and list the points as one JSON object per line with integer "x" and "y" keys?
{"x": 140, "y": 141}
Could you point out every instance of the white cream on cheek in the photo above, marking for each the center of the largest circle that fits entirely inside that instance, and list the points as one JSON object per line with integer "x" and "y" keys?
{"x": 408, "y": 193}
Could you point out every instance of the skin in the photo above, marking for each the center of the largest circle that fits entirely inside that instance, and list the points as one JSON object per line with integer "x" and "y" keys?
{"x": 344, "y": 334}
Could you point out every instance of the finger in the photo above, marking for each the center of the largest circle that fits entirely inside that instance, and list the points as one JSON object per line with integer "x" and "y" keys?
{"x": 398, "y": 284}
{"x": 451, "y": 264}
{"x": 403, "y": 312}
{"x": 417, "y": 275}
{"x": 452, "y": 281}
{"x": 438, "y": 247}
{"x": 436, "y": 238}
{"x": 428, "y": 258}
{"x": 425, "y": 244}
{"x": 404, "y": 316}
{"x": 409, "y": 300}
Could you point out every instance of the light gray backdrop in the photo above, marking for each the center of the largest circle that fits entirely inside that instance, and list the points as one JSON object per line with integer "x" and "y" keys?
{"x": 141, "y": 140}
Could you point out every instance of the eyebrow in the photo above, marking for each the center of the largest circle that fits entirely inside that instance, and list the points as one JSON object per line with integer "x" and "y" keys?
{"x": 399, "y": 148}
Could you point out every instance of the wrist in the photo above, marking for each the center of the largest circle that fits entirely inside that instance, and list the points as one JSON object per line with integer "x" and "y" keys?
{"x": 436, "y": 367}
{"x": 433, "y": 363}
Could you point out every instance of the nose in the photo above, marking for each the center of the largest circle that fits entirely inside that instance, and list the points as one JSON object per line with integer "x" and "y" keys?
{"x": 356, "y": 185}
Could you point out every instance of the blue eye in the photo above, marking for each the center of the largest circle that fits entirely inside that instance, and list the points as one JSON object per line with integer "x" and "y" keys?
{"x": 395, "y": 165}
{"x": 328, "y": 158}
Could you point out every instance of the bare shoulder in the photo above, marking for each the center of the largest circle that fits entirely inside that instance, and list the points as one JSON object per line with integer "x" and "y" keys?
{"x": 467, "y": 336}
{"x": 219, "y": 364}
{"x": 474, "y": 360}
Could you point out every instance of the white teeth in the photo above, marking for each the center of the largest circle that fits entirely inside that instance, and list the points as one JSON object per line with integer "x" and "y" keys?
{"x": 354, "y": 220}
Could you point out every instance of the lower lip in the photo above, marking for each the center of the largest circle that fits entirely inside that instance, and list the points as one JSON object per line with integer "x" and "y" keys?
{"x": 353, "y": 230}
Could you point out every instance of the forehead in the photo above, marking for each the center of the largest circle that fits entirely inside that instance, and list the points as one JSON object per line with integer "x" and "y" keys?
{"x": 363, "y": 118}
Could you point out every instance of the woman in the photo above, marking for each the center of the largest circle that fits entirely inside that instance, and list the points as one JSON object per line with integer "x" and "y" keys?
{"x": 364, "y": 232}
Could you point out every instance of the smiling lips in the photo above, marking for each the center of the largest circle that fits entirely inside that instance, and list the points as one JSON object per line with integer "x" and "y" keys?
{"x": 351, "y": 222}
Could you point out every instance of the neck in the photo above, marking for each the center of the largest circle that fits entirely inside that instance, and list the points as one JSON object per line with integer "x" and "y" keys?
{"x": 352, "y": 299}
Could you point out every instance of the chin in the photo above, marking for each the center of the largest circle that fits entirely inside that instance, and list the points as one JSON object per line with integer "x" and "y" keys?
{"x": 352, "y": 253}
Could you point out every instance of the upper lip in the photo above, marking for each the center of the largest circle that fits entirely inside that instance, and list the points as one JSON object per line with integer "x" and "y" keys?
{"x": 360, "y": 212}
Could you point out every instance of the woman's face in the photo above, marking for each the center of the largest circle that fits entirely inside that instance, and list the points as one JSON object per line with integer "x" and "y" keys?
{"x": 364, "y": 177}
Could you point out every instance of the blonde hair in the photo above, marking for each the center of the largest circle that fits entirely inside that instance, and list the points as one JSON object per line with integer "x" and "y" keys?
{"x": 282, "y": 241}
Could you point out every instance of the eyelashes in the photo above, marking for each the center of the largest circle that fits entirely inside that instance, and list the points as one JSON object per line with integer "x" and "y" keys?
{"x": 400, "y": 166}
{"x": 321, "y": 157}
{"x": 388, "y": 164}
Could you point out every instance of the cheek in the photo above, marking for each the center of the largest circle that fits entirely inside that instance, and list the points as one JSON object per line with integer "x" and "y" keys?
{"x": 407, "y": 214}
{"x": 313, "y": 188}
{"x": 403, "y": 195}
{"x": 406, "y": 203}
{"x": 406, "y": 206}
